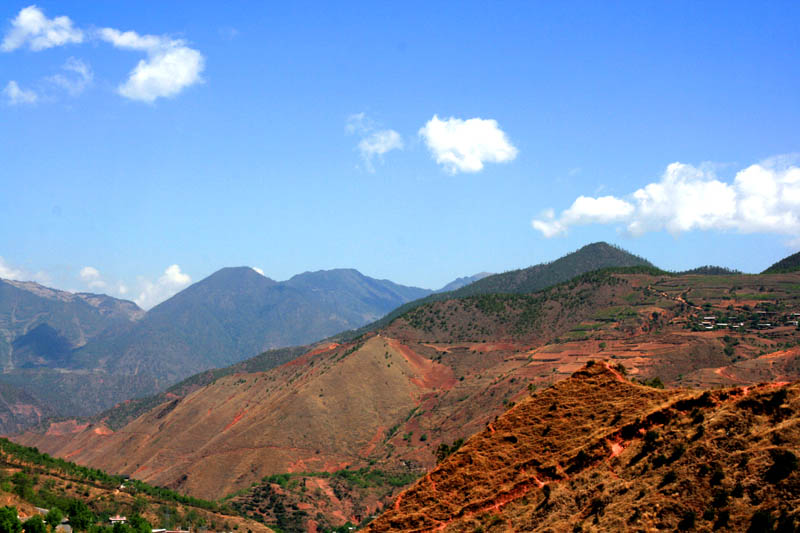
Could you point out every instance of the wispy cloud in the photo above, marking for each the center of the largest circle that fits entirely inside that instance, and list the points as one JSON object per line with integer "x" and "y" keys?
{"x": 228, "y": 33}
{"x": 374, "y": 142}
{"x": 78, "y": 75}
{"x": 465, "y": 145}
{"x": 9, "y": 272}
{"x": 762, "y": 198}
{"x": 170, "y": 67}
{"x": 155, "y": 292}
{"x": 33, "y": 28}
{"x": 16, "y": 95}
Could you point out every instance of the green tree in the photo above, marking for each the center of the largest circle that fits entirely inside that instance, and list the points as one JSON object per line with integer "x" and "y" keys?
{"x": 54, "y": 517}
{"x": 9, "y": 522}
{"x": 23, "y": 485}
{"x": 119, "y": 527}
{"x": 34, "y": 524}
{"x": 139, "y": 524}
{"x": 80, "y": 517}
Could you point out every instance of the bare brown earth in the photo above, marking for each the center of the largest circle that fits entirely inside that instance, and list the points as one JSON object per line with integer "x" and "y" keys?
{"x": 598, "y": 453}
{"x": 386, "y": 401}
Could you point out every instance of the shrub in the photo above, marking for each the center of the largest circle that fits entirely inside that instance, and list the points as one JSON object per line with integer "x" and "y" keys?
{"x": 669, "y": 477}
{"x": 9, "y": 523}
{"x": 717, "y": 476}
{"x": 722, "y": 520}
{"x": 784, "y": 463}
{"x": 34, "y": 524}
{"x": 687, "y": 521}
{"x": 760, "y": 522}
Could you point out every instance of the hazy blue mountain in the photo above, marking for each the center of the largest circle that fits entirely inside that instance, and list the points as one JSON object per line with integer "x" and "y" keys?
{"x": 40, "y": 328}
{"x": 38, "y": 324}
{"x": 463, "y": 282}
{"x": 225, "y": 318}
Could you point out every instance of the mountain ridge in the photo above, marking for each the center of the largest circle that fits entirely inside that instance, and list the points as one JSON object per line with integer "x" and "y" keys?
{"x": 226, "y": 317}
{"x": 384, "y": 404}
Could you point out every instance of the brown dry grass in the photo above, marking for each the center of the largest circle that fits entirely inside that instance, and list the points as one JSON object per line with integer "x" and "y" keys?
{"x": 594, "y": 453}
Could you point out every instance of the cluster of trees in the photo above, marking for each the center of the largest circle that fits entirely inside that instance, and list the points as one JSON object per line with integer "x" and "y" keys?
{"x": 444, "y": 450}
{"x": 80, "y": 519}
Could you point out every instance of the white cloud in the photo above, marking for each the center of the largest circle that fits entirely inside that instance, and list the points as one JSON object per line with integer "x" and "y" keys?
{"x": 9, "y": 272}
{"x": 31, "y": 26}
{"x": 258, "y": 270}
{"x": 79, "y": 76}
{"x": 763, "y": 198}
{"x": 88, "y": 273}
{"x": 377, "y": 144}
{"x": 91, "y": 276}
{"x": 465, "y": 145}
{"x": 15, "y": 95}
{"x": 153, "y": 293}
{"x": 122, "y": 289}
{"x": 170, "y": 67}
{"x": 374, "y": 142}
{"x": 358, "y": 123}
{"x": 584, "y": 210}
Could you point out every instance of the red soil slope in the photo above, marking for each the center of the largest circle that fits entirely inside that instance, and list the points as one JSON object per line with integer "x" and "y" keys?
{"x": 598, "y": 452}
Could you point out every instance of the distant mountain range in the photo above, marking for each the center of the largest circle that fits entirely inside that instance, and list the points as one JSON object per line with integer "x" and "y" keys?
{"x": 335, "y": 432}
{"x": 82, "y": 353}
{"x": 463, "y": 282}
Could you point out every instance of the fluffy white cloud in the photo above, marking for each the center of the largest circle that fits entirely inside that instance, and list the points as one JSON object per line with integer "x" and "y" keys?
{"x": 9, "y": 272}
{"x": 88, "y": 273}
{"x": 763, "y": 198}
{"x": 79, "y": 76}
{"x": 33, "y": 28}
{"x": 15, "y": 95}
{"x": 170, "y": 67}
{"x": 258, "y": 270}
{"x": 153, "y": 293}
{"x": 374, "y": 142}
{"x": 465, "y": 145}
{"x": 585, "y": 210}
{"x": 91, "y": 276}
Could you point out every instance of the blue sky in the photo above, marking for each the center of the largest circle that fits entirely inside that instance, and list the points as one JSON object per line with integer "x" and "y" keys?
{"x": 413, "y": 141}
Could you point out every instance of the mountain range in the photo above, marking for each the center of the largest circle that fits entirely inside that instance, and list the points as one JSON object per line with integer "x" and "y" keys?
{"x": 335, "y": 433}
{"x": 81, "y": 353}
